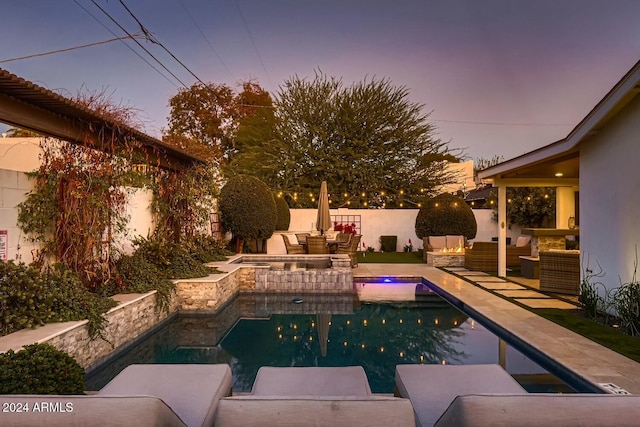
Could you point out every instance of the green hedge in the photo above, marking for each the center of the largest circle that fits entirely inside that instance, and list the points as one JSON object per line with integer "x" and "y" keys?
{"x": 40, "y": 369}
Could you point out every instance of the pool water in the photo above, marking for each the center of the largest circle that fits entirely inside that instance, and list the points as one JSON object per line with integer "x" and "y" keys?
{"x": 270, "y": 330}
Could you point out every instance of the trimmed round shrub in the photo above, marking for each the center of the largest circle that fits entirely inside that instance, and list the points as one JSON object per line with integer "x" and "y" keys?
{"x": 446, "y": 214}
{"x": 40, "y": 369}
{"x": 284, "y": 215}
{"x": 247, "y": 208}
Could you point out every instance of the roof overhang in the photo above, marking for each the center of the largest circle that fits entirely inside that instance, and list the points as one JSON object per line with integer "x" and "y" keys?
{"x": 543, "y": 166}
{"x": 26, "y": 105}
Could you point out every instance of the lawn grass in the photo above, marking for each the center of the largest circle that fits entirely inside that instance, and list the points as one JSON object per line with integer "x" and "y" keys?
{"x": 604, "y": 335}
{"x": 391, "y": 257}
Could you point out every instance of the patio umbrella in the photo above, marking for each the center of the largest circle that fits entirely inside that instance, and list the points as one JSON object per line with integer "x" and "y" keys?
{"x": 323, "y": 222}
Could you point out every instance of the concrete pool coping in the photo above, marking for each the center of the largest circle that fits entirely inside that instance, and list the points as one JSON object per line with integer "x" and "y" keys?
{"x": 587, "y": 359}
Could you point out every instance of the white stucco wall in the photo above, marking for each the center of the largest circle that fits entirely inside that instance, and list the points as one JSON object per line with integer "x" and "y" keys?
{"x": 20, "y": 154}
{"x": 609, "y": 197}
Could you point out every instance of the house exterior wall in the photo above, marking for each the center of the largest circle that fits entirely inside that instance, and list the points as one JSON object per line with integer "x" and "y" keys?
{"x": 20, "y": 154}
{"x": 609, "y": 197}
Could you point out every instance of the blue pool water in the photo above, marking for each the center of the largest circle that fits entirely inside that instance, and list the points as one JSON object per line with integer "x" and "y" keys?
{"x": 385, "y": 325}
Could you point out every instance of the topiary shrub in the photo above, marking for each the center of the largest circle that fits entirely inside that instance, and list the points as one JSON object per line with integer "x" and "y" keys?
{"x": 283, "y": 214}
{"x": 247, "y": 208}
{"x": 446, "y": 214}
{"x": 40, "y": 369}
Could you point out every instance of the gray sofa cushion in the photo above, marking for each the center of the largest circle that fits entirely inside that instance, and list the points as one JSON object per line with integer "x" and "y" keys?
{"x": 329, "y": 411}
{"x": 533, "y": 410}
{"x": 431, "y": 388}
{"x": 311, "y": 381}
{"x": 192, "y": 391}
{"x": 69, "y": 411}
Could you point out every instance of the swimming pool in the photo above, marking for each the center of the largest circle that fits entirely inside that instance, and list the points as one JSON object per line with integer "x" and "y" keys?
{"x": 367, "y": 329}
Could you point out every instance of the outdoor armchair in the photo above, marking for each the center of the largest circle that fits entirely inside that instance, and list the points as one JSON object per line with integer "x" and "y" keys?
{"x": 351, "y": 248}
{"x": 292, "y": 248}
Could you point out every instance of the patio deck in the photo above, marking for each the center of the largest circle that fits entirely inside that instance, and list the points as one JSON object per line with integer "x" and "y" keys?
{"x": 584, "y": 357}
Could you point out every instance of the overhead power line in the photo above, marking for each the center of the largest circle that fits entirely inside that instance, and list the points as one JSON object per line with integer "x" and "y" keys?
{"x": 468, "y": 122}
{"x": 68, "y": 49}
{"x": 138, "y": 43}
{"x": 254, "y": 43}
{"x": 153, "y": 39}
{"x": 123, "y": 42}
{"x": 215, "y": 52}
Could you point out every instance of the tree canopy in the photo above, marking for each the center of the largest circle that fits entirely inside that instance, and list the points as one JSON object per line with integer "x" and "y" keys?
{"x": 204, "y": 118}
{"x": 372, "y": 145}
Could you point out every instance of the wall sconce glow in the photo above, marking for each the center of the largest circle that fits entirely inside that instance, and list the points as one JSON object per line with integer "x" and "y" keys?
{"x": 559, "y": 174}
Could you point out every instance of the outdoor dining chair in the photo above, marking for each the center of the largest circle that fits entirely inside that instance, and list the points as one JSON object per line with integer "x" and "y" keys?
{"x": 291, "y": 247}
{"x": 317, "y": 245}
{"x": 302, "y": 238}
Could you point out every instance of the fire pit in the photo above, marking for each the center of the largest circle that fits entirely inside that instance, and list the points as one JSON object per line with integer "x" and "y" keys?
{"x": 447, "y": 257}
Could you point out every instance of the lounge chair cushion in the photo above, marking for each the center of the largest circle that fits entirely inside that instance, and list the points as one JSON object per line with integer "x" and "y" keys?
{"x": 329, "y": 411}
{"x": 536, "y": 409}
{"x": 311, "y": 381}
{"x": 192, "y": 391}
{"x": 108, "y": 411}
{"x": 432, "y": 388}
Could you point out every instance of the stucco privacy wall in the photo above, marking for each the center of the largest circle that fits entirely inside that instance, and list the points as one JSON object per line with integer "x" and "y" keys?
{"x": 14, "y": 188}
{"x": 609, "y": 197}
{"x": 379, "y": 222}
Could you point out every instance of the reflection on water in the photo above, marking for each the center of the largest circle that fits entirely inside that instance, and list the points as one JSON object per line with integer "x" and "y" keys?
{"x": 259, "y": 330}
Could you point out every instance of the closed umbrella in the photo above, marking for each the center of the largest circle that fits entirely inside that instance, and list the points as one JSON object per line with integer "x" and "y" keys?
{"x": 323, "y": 222}
{"x": 324, "y": 321}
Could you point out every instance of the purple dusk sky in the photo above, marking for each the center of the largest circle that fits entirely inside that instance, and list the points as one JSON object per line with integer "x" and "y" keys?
{"x": 501, "y": 77}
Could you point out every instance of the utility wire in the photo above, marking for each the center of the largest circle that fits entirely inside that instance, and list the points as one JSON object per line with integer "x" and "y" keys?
{"x": 123, "y": 42}
{"x": 35, "y": 55}
{"x": 153, "y": 39}
{"x": 498, "y": 123}
{"x": 207, "y": 40}
{"x": 139, "y": 44}
{"x": 254, "y": 42}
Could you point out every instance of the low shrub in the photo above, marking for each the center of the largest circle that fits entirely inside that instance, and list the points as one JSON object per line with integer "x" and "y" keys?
{"x": 205, "y": 248}
{"x": 29, "y": 298}
{"x": 40, "y": 369}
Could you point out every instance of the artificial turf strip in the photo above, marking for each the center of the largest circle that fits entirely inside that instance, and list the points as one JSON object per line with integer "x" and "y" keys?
{"x": 391, "y": 257}
{"x": 604, "y": 335}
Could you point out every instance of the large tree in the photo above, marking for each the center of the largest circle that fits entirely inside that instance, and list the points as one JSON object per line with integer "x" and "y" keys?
{"x": 205, "y": 119}
{"x": 371, "y": 144}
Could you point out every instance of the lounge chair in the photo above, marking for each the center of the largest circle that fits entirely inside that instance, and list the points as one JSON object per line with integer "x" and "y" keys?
{"x": 292, "y": 248}
{"x": 483, "y": 256}
{"x": 318, "y": 396}
{"x": 317, "y": 245}
{"x": 432, "y": 388}
{"x": 351, "y": 248}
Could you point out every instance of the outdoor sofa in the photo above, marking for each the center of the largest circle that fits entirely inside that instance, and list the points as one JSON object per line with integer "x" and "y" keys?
{"x": 483, "y": 256}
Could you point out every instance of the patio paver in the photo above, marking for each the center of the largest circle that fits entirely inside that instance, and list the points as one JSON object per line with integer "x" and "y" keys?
{"x": 545, "y": 303}
{"x": 497, "y": 285}
{"x": 526, "y": 293}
